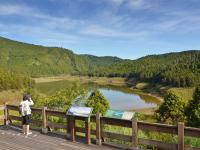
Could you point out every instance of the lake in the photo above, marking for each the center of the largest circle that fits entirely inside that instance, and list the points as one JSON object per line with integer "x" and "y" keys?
{"x": 119, "y": 97}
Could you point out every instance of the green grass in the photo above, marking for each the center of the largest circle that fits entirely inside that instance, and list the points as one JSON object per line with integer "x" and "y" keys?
{"x": 84, "y": 79}
{"x": 10, "y": 96}
{"x": 184, "y": 93}
{"x": 1, "y": 114}
{"x": 142, "y": 85}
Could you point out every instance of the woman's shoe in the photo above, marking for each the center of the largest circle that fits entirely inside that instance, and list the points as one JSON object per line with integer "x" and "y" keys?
{"x": 29, "y": 133}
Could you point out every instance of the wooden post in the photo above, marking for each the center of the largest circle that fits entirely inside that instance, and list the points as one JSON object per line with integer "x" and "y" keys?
{"x": 102, "y": 127}
{"x": 134, "y": 134}
{"x": 5, "y": 114}
{"x": 87, "y": 129}
{"x": 44, "y": 119}
{"x": 180, "y": 136}
{"x": 68, "y": 124}
{"x": 72, "y": 127}
{"x": 98, "y": 129}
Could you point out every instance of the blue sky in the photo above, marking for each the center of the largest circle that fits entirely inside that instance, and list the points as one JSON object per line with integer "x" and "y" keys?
{"x": 124, "y": 28}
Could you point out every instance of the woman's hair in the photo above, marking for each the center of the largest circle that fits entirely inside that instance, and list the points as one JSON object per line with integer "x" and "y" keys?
{"x": 26, "y": 97}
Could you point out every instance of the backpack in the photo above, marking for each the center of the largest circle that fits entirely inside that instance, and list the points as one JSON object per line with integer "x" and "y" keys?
{"x": 20, "y": 109}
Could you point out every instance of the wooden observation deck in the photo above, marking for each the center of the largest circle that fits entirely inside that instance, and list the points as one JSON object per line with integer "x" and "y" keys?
{"x": 96, "y": 134}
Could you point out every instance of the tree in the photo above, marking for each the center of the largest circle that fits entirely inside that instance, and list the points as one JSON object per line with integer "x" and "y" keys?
{"x": 98, "y": 102}
{"x": 192, "y": 111}
{"x": 61, "y": 100}
{"x": 64, "y": 98}
{"x": 171, "y": 110}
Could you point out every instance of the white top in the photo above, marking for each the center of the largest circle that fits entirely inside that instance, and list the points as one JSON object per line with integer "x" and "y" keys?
{"x": 25, "y": 107}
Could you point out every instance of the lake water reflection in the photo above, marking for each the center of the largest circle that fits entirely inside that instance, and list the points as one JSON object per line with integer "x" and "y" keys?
{"x": 125, "y": 99}
{"x": 120, "y": 98}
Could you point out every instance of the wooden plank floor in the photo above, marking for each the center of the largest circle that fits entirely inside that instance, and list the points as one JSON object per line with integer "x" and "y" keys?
{"x": 11, "y": 138}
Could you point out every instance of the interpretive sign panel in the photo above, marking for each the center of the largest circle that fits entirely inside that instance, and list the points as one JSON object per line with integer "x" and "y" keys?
{"x": 79, "y": 111}
{"x": 119, "y": 114}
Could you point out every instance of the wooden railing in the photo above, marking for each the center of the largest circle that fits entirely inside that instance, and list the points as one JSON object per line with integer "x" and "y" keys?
{"x": 2, "y": 117}
{"x": 179, "y": 131}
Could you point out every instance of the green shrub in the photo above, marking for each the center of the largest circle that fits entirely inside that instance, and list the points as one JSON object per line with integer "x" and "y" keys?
{"x": 171, "y": 110}
{"x": 192, "y": 111}
{"x": 98, "y": 102}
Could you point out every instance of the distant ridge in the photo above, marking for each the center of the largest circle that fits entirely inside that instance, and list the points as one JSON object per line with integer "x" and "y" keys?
{"x": 177, "y": 69}
{"x": 39, "y": 60}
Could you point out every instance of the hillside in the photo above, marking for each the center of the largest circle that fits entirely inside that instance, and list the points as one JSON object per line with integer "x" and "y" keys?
{"x": 177, "y": 69}
{"x": 9, "y": 80}
{"x": 38, "y": 60}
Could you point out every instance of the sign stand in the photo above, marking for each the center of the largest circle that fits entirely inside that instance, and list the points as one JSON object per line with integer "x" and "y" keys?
{"x": 87, "y": 130}
{"x": 84, "y": 112}
{"x": 72, "y": 127}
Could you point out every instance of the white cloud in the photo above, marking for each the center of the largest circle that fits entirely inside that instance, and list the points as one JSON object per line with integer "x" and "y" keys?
{"x": 118, "y": 2}
{"x": 168, "y": 25}
{"x": 133, "y": 4}
{"x": 34, "y": 15}
{"x": 136, "y": 3}
{"x": 97, "y": 30}
{"x": 41, "y": 34}
{"x": 15, "y": 9}
{"x": 51, "y": 25}
{"x": 50, "y": 28}
{"x": 180, "y": 22}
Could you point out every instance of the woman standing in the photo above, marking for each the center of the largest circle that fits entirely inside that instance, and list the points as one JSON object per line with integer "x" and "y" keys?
{"x": 25, "y": 111}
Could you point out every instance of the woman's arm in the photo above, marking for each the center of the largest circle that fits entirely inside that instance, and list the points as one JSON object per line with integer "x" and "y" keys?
{"x": 31, "y": 102}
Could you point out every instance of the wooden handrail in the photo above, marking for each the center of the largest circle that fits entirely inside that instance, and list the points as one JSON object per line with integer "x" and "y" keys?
{"x": 36, "y": 110}
{"x": 180, "y": 130}
{"x": 55, "y": 113}
{"x": 157, "y": 127}
{"x": 2, "y": 108}
{"x": 13, "y": 107}
{"x": 192, "y": 132}
{"x": 116, "y": 122}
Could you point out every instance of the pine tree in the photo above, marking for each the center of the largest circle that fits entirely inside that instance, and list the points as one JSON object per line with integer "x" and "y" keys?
{"x": 171, "y": 110}
{"x": 98, "y": 102}
{"x": 192, "y": 111}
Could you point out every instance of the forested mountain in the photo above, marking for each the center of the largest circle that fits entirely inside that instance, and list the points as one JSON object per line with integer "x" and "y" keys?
{"x": 177, "y": 69}
{"x": 102, "y": 61}
{"x": 38, "y": 60}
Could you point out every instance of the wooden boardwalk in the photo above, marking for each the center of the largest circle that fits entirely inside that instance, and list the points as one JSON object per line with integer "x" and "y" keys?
{"x": 11, "y": 138}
